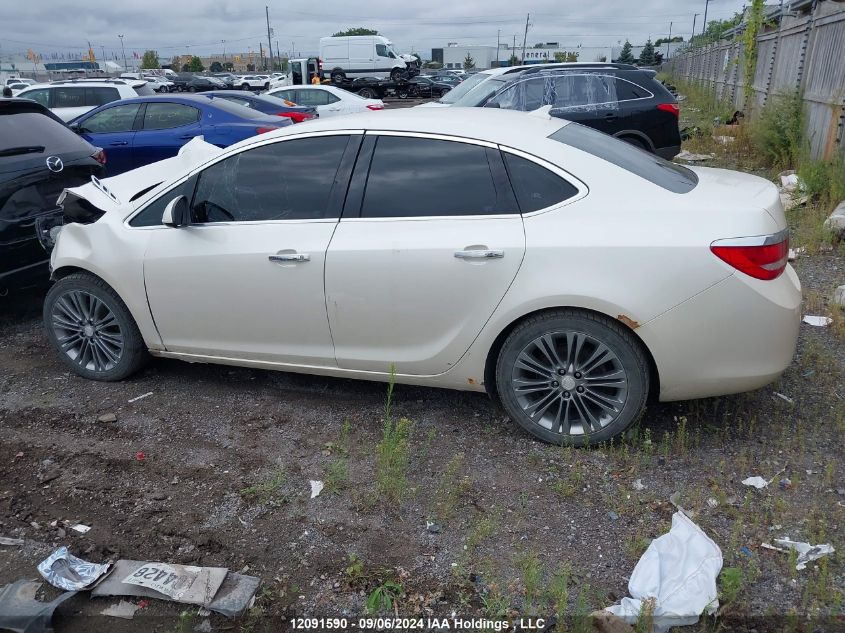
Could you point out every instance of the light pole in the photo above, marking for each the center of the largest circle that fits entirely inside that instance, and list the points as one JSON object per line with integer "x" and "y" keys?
{"x": 123, "y": 50}
{"x": 704, "y": 26}
{"x": 669, "y": 43}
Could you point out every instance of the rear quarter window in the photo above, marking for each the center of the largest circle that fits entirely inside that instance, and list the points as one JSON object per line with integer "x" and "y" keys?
{"x": 662, "y": 173}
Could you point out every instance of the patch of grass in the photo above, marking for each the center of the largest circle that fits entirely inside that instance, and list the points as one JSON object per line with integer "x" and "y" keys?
{"x": 532, "y": 576}
{"x": 731, "y": 586}
{"x": 393, "y": 453}
{"x": 776, "y": 132}
{"x": 645, "y": 619}
{"x": 186, "y": 622}
{"x": 267, "y": 491}
{"x": 452, "y": 486}
{"x": 823, "y": 181}
{"x": 337, "y": 472}
{"x": 558, "y": 591}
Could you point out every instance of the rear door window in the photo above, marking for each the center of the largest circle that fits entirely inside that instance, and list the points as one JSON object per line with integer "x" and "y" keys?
{"x": 68, "y": 97}
{"x": 97, "y": 96}
{"x": 435, "y": 177}
{"x": 40, "y": 95}
{"x": 163, "y": 116}
{"x": 650, "y": 167}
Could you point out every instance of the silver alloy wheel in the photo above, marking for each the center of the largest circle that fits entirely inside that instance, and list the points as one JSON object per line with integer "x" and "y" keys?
{"x": 569, "y": 383}
{"x": 87, "y": 331}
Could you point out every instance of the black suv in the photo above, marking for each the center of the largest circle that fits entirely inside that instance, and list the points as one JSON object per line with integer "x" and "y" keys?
{"x": 39, "y": 157}
{"x": 621, "y": 100}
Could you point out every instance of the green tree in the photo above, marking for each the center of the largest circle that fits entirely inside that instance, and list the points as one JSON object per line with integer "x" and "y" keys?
{"x": 150, "y": 60}
{"x": 358, "y": 30}
{"x": 194, "y": 66}
{"x": 565, "y": 56}
{"x": 647, "y": 54}
{"x": 663, "y": 40}
{"x": 513, "y": 61}
{"x": 216, "y": 67}
{"x": 626, "y": 57}
{"x": 469, "y": 62}
{"x": 229, "y": 66}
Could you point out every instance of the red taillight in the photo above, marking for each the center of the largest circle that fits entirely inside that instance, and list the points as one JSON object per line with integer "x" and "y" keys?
{"x": 375, "y": 106}
{"x": 262, "y": 130}
{"x": 670, "y": 107}
{"x": 759, "y": 257}
{"x": 99, "y": 155}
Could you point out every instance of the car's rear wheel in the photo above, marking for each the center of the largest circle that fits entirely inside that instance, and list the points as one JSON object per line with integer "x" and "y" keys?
{"x": 92, "y": 329}
{"x": 402, "y": 93}
{"x": 191, "y": 89}
{"x": 245, "y": 87}
{"x": 572, "y": 377}
{"x": 338, "y": 76}
{"x": 636, "y": 142}
{"x": 396, "y": 74}
{"x": 367, "y": 93}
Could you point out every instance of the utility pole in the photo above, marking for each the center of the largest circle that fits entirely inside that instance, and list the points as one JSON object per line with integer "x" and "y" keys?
{"x": 124, "y": 52}
{"x": 261, "y": 53}
{"x": 498, "y": 36}
{"x": 278, "y": 54}
{"x": 269, "y": 43}
{"x": 223, "y": 42}
{"x": 704, "y": 26}
{"x": 694, "y": 16}
{"x": 669, "y": 43}
{"x": 525, "y": 36}
{"x": 513, "y": 51}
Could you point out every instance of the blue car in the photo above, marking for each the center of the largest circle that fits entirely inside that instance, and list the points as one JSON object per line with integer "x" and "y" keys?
{"x": 140, "y": 131}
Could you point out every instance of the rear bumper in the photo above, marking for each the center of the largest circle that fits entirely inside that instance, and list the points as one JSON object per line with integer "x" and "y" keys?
{"x": 736, "y": 336}
{"x": 668, "y": 152}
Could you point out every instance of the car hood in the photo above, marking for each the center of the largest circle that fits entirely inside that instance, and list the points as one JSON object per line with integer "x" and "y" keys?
{"x": 111, "y": 193}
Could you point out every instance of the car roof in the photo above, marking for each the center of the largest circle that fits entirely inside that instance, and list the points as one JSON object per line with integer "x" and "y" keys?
{"x": 508, "y": 127}
{"x": 17, "y": 105}
{"x": 183, "y": 98}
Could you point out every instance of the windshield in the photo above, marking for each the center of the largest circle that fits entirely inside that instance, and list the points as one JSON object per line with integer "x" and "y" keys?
{"x": 477, "y": 93}
{"x": 464, "y": 87}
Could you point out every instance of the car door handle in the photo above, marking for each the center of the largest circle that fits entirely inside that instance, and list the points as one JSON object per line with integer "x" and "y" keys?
{"x": 290, "y": 257}
{"x": 116, "y": 143}
{"x": 610, "y": 116}
{"x": 479, "y": 254}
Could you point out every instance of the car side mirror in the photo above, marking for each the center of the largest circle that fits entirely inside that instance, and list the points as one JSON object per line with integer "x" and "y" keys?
{"x": 76, "y": 128}
{"x": 176, "y": 213}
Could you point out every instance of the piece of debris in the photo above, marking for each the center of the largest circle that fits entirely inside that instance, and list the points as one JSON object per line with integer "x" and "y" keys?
{"x": 204, "y": 626}
{"x": 638, "y": 485}
{"x": 817, "y": 321}
{"x": 65, "y": 571}
{"x": 214, "y": 588}
{"x": 756, "y": 481}
{"x": 678, "y": 571}
{"x": 692, "y": 158}
{"x": 4, "y": 540}
{"x": 316, "y": 488}
{"x": 806, "y": 552}
{"x": 141, "y": 397}
{"x": 674, "y": 498}
{"x": 606, "y": 622}
{"x": 785, "y": 484}
{"x": 785, "y": 398}
{"x": 80, "y": 528}
{"x": 690, "y": 132}
{"x": 723, "y": 140}
{"x": 745, "y": 551}
{"x": 795, "y": 253}
{"x": 712, "y": 503}
{"x": 789, "y": 180}
{"x": 836, "y": 221}
{"x": 612, "y": 515}
{"x": 433, "y": 527}
{"x": 839, "y": 296}
{"x": 22, "y": 613}
{"x": 140, "y": 456}
{"x": 122, "y": 609}
{"x": 107, "y": 417}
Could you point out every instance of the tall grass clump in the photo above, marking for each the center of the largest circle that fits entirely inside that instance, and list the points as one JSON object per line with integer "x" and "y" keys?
{"x": 393, "y": 452}
{"x": 776, "y": 133}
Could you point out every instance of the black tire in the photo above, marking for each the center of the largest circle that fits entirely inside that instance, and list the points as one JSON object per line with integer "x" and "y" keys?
{"x": 133, "y": 354}
{"x": 367, "y": 93}
{"x": 245, "y": 87}
{"x": 338, "y": 76}
{"x": 396, "y": 74}
{"x": 192, "y": 89}
{"x": 402, "y": 93}
{"x": 267, "y": 86}
{"x": 544, "y": 395}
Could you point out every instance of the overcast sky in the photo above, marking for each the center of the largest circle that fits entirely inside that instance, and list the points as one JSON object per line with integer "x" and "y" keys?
{"x": 198, "y": 26}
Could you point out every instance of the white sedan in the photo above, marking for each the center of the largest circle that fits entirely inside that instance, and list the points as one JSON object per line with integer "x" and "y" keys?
{"x": 329, "y": 100}
{"x": 563, "y": 271}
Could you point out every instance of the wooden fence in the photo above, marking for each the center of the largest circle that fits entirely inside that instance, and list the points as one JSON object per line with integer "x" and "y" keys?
{"x": 806, "y": 53}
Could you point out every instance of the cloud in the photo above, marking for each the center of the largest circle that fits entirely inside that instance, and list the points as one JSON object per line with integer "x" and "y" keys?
{"x": 200, "y": 26}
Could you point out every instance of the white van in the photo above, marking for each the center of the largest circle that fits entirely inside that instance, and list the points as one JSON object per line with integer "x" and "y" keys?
{"x": 361, "y": 56}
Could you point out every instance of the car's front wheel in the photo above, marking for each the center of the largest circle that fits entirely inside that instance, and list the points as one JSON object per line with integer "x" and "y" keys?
{"x": 92, "y": 329}
{"x": 572, "y": 377}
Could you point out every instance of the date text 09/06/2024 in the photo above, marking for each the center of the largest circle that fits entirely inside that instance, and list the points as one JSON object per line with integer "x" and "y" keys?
{"x": 419, "y": 624}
